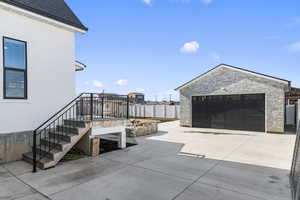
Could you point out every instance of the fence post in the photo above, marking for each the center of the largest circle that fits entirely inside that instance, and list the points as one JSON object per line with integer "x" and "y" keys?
{"x": 127, "y": 114}
{"x": 102, "y": 107}
{"x": 81, "y": 106}
{"x": 92, "y": 106}
{"x": 165, "y": 111}
{"x": 34, "y": 151}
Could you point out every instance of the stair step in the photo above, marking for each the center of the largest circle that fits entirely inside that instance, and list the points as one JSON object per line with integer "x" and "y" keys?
{"x": 60, "y": 146}
{"x": 75, "y": 123}
{"x": 67, "y": 129}
{"x": 61, "y": 136}
{"x": 42, "y": 163}
{"x": 55, "y": 142}
{"x": 44, "y": 150}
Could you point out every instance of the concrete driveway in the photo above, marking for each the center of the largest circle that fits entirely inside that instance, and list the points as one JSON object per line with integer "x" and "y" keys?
{"x": 176, "y": 163}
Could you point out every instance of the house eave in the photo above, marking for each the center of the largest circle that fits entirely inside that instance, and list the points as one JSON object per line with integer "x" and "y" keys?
{"x": 79, "y": 66}
{"x": 41, "y": 18}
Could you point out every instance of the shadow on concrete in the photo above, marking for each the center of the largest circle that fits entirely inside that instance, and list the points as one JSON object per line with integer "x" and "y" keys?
{"x": 217, "y": 133}
{"x": 154, "y": 169}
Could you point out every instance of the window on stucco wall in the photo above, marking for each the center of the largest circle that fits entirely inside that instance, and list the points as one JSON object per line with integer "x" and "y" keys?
{"x": 15, "y": 69}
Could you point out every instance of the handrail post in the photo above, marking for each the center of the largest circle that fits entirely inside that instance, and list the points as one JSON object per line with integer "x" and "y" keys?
{"x": 92, "y": 106}
{"x": 127, "y": 112}
{"x": 34, "y": 151}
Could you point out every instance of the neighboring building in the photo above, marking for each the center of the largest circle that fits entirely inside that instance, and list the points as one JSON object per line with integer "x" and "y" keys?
{"x": 37, "y": 76}
{"x": 136, "y": 97}
{"x": 228, "y": 97}
{"x": 291, "y": 97}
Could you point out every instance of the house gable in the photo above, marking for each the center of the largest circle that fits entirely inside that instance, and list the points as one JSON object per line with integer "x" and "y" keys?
{"x": 260, "y": 76}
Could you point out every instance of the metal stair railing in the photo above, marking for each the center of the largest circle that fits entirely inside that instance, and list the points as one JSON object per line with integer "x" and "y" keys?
{"x": 85, "y": 107}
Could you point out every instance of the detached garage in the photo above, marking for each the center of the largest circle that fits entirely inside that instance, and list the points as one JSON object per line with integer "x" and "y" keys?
{"x": 228, "y": 97}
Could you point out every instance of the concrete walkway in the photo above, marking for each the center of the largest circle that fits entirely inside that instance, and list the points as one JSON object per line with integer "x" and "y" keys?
{"x": 176, "y": 163}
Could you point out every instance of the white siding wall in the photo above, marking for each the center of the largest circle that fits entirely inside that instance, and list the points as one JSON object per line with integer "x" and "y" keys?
{"x": 51, "y": 75}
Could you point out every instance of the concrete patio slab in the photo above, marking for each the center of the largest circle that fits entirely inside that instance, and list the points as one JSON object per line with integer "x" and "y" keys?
{"x": 12, "y": 188}
{"x": 4, "y": 174}
{"x": 18, "y": 168}
{"x": 187, "y": 167}
{"x": 70, "y": 174}
{"x": 131, "y": 183}
{"x": 150, "y": 149}
{"x": 202, "y": 191}
{"x": 272, "y": 150}
{"x": 176, "y": 163}
{"x": 33, "y": 197}
{"x": 263, "y": 182}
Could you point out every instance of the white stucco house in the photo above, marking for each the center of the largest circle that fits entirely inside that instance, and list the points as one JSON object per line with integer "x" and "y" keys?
{"x": 37, "y": 68}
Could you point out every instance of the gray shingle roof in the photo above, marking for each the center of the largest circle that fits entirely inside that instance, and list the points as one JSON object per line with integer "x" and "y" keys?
{"x": 54, "y": 9}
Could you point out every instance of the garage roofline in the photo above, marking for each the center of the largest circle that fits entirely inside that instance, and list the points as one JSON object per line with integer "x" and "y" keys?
{"x": 238, "y": 69}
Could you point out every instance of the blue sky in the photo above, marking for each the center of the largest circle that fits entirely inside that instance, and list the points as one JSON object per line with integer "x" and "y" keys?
{"x": 154, "y": 46}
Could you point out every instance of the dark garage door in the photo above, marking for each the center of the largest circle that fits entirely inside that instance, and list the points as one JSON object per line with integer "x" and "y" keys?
{"x": 236, "y": 112}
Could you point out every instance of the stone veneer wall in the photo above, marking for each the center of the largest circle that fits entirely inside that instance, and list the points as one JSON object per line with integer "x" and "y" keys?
{"x": 225, "y": 81}
{"x": 146, "y": 129}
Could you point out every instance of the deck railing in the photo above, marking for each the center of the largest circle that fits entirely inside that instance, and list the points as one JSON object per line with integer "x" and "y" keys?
{"x": 85, "y": 107}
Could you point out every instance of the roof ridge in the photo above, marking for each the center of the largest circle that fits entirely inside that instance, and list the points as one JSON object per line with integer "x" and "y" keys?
{"x": 238, "y": 68}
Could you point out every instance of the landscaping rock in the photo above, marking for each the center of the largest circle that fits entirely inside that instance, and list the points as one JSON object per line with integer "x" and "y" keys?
{"x": 146, "y": 128}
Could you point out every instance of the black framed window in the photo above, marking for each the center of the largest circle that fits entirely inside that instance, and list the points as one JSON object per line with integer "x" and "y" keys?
{"x": 15, "y": 68}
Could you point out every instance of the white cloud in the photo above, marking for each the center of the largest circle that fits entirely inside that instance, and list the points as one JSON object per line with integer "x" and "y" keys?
{"x": 122, "y": 82}
{"x": 190, "y": 47}
{"x": 94, "y": 83}
{"x": 140, "y": 90}
{"x": 294, "y": 46}
{"x": 206, "y": 1}
{"x": 148, "y": 2}
{"x": 97, "y": 84}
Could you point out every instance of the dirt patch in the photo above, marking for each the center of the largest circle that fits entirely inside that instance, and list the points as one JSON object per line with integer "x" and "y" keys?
{"x": 73, "y": 154}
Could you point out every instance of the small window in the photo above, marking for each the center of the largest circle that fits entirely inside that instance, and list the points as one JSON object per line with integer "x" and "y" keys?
{"x": 15, "y": 69}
